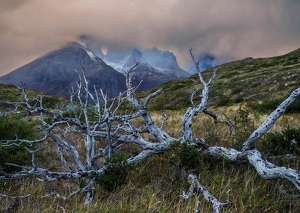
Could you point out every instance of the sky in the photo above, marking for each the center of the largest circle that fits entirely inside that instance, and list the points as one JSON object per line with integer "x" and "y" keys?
{"x": 226, "y": 29}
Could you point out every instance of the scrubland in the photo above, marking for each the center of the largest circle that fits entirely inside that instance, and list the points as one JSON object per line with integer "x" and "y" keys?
{"x": 155, "y": 184}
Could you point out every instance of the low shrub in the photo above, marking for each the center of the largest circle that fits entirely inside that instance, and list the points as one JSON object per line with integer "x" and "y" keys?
{"x": 280, "y": 143}
{"x": 11, "y": 128}
{"x": 186, "y": 154}
{"x": 116, "y": 171}
{"x": 269, "y": 105}
{"x": 224, "y": 101}
{"x": 236, "y": 90}
{"x": 229, "y": 75}
{"x": 242, "y": 125}
{"x": 238, "y": 99}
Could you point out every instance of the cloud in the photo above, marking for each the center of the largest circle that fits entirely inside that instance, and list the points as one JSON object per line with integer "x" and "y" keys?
{"x": 11, "y": 4}
{"x": 231, "y": 29}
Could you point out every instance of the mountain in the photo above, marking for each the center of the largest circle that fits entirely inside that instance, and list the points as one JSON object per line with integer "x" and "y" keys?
{"x": 155, "y": 66}
{"x": 164, "y": 61}
{"x": 53, "y": 72}
{"x": 152, "y": 71}
{"x": 117, "y": 58}
{"x": 205, "y": 61}
{"x": 248, "y": 81}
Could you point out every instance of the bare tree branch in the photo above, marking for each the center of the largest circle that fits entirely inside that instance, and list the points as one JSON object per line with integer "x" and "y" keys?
{"x": 15, "y": 197}
{"x": 81, "y": 190}
{"x": 257, "y": 134}
{"x": 217, "y": 205}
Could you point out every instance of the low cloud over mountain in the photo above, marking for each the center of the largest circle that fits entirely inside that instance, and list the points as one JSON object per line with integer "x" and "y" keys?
{"x": 231, "y": 29}
{"x": 54, "y": 72}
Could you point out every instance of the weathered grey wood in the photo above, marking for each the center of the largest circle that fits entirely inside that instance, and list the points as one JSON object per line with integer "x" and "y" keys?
{"x": 269, "y": 171}
{"x": 195, "y": 184}
{"x": 257, "y": 134}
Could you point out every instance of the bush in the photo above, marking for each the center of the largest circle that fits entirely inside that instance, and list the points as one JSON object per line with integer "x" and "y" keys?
{"x": 269, "y": 105}
{"x": 242, "y": 127}
{"x": 9, "y": 129}
{"x": 224, "y": 101}
{"x": 50, "y": 102}
{"x": 186, "y": 154}
{"x": 238, "y": 99}
{"x": 279, "y": 143}
{"x": 116, "y": 171}
{"x": 236, "y": 90}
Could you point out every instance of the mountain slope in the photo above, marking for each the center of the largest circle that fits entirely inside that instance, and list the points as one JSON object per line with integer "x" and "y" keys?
{"x": 150, "y": 76}
{"x": 54, "y": 72}
{"x": 164, "y": 61}
{"x": 248, "y": 80}
{"x": 123, "y": 60}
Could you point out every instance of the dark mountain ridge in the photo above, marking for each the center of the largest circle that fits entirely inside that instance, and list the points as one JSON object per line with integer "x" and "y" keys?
{"x": 53, "y": 72}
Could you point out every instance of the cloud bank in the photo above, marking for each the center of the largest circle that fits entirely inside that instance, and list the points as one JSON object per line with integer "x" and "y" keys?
{"x": 231, "y": 29}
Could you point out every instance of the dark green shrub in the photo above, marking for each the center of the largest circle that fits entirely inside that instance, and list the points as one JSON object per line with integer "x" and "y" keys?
{"x": 50, "y": 102}
{"x": 70, "y": 114}
{"x": 116, "y": 171}
{"x": 266, "y": 65}
{"x": 229, "y": 75}
{"x": 186, "y": 154}
{"x": 236, "y": 90}
{"x": 224, "y": 101}
{"x": 279, "y": 143}
{"x": 238, "y": 99}
{"x": 9, "y": 128}
{"x": 178, "y": 86}
{"x": 242, "y": 127}
{"x": 269, "y": 105}
{"x": 254, "y": 68}
{"x": 48, "y": 120}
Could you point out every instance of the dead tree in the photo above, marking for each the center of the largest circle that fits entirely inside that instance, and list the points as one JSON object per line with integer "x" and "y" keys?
{"x": 118, "y": 130}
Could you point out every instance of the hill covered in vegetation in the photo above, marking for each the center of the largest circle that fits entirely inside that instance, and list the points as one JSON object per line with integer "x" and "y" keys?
{"x": 248, "y": 80}
{"x": 10, "y": 93}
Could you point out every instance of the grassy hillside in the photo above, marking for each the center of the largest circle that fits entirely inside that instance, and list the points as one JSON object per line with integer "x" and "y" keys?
{"x": 245, "y": 80}
{"x": 10, "y": 93}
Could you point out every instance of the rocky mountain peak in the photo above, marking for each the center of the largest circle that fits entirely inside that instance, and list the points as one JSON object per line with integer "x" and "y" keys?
{"x": 53, "y": 72}
{"x": 137, "y": 53}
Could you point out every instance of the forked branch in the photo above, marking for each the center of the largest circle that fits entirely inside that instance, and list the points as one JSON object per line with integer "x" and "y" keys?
{"x": 195, "y": 184}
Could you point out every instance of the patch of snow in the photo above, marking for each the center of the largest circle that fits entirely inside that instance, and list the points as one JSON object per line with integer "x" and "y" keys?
{"x": 118, "y": 65}
{"x": 87, "y": 50}
{"x": 82, "y": 44}
{"x": 90, "y": 53}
